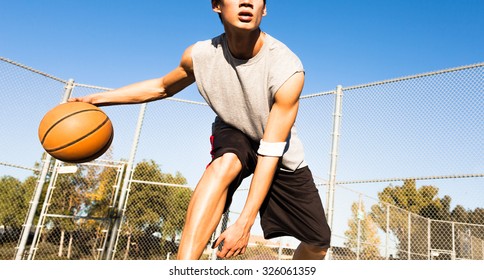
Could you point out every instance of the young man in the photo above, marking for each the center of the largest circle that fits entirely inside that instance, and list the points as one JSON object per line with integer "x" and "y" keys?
{"x": 253, "y": 83}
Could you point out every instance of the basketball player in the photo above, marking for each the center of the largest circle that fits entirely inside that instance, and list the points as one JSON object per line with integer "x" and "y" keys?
{"x": 253, "y": 83}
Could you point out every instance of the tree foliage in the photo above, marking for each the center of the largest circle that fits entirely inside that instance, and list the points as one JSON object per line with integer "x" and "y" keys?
{"x": 156, "y": 208}
{"x": 362, "y": 233}
{"x": 15, "y": 200}
{"x": 413, "y": 212}
{"x": 81, "y": 209}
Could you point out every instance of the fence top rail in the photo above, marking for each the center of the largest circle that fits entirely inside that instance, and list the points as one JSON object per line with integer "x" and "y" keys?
{"x": 19, "y": 166}
{"x": 476, "y": 65}
{"x": 318, "y": 94}
{"x": 400, "y": 179}
{"x": 411, "y": 77}
{"x": 32, "y": 69}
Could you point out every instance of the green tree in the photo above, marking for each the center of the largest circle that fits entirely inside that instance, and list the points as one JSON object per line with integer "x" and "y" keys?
{"x": 14, "y": 203}
{"x": 427, "y": 207}
{"x": 407, "y": 199}
{"x": 99, "y": 204}
{"x": 67, "y": 200}
{"x": 85, "y": 193}
{"x": 362, "y": 233}
{"x": 155, "y": 208}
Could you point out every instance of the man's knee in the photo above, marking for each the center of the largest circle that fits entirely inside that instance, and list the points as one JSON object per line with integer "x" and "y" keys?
{"x": 227, "y": 165}
{"x": 306, "y": 251}
{"x": 315, "y": 249}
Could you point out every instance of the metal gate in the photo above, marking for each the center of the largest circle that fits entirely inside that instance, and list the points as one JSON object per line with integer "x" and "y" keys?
{"x": 78, "y": 211}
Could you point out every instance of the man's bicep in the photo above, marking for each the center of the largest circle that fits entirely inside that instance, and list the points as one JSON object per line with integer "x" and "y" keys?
{"x": 182, "y": 76}
{"x": 289, "y": 93}
{"x": 284, "y": 110}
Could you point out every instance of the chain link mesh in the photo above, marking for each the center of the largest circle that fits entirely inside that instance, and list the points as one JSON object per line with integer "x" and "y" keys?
{"x": 409, "y": 176}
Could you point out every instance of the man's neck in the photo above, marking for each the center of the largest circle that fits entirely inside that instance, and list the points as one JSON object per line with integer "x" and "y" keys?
{"x": 247, "y": 45}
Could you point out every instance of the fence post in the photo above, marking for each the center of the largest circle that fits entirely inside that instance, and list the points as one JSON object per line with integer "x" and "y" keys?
{"x": 33, "y": 207}
{"x": 126, "y": 181}
{"x": 429, "y": 239}
{"x": 387, "y": 235}
{"x": 279, "y": 250}
{"x": 38, "y": 189}
{"x": 453, "y": 242}
{"x": 409, "y": 236}
{"x": 334, "y": 157}
{"x": 358, "y": 235}
{"x": 222, "y": 226}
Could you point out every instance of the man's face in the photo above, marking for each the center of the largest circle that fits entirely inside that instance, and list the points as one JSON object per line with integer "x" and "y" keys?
{"x": 241, "y": 14}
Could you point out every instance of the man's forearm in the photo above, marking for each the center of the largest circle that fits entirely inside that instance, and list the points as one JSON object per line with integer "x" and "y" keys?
{"x": 259, "y": 187}
{"x": 139, "y": 92}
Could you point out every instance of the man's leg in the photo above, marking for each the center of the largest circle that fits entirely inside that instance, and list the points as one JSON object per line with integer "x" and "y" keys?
{"x": 206, "y": 205}
{"x": 309, "y": 252}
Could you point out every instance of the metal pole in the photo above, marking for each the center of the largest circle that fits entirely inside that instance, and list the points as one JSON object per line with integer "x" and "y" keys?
{"x": 333, "y": 160}
{"x": 453, "y": 241}
{"x": 112, "y": 204}
{"x": 216, "y": 234}
{"x": 334, "y": 155}
{"x": 33, "y": 208}
{"x": 38, "y": 189}
{"x": 50, "y": 188}
{"x": 126, "y": 181}
{"x": 279, "y": 251}
{"x": 409, "y": 256}
{"x": 387, "y": 235}
{"x": 429, "y": 240}
{"x": 358, "y": 234}
{"x": 221, "y": 228}
{"x": 470, "y": 245}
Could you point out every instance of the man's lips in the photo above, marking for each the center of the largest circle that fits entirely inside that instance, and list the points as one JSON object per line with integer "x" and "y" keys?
{"x": 245, "y": 16}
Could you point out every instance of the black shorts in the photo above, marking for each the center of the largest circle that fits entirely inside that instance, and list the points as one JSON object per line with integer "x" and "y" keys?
{"x": 292, "y": 207}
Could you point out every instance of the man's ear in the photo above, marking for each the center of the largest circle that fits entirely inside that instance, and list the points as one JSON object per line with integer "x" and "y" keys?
{"x": 216, "y": 6}
{"x": 264, "y": 13}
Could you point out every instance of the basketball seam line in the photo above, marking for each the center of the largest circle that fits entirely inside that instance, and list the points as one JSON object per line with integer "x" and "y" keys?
{"x": 58, "y": 121}
{"x": 77, "y": 140}
{"x": 98, "y": 154}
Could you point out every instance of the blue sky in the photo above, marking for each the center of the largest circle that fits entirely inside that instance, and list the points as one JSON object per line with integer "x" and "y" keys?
{"x": 112, "y": 43}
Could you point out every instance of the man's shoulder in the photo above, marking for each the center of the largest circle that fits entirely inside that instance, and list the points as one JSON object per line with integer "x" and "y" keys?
{"x": 275, "y": 45}
{"x": 207, "y": 46}
{"x": 214, "y": 42}
{"x": 281, "y": 54}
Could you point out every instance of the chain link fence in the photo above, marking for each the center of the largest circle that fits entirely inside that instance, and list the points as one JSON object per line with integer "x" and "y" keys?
{"x": 398, "y": 164}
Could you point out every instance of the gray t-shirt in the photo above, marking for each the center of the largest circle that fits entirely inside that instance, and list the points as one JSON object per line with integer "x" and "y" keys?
{"x": 241, "y": 92}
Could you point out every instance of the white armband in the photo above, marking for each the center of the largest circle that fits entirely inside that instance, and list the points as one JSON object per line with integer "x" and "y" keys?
{"x": 271, "y": 149}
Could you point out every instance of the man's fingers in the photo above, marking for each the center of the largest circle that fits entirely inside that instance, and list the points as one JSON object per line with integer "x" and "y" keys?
{"x": 227, "y": 253}
{"x": 237, "y": 252}
{"x": 223, "y": 252}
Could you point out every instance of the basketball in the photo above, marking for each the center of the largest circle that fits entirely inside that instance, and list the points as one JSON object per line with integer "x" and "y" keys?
{"x": 75, "y": 132}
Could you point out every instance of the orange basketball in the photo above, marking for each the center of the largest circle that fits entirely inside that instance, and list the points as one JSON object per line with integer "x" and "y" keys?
{"x": 76, "y": 132}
